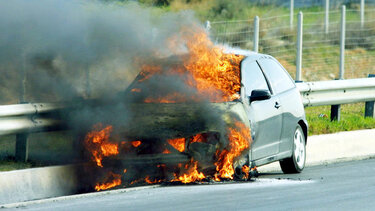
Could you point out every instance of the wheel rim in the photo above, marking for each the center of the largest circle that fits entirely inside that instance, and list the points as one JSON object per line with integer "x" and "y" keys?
{"x": 299, "y": 148}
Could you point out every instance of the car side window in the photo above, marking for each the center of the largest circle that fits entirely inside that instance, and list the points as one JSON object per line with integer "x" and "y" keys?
{"x": 252, "y": 76}
{"x": 277, "y": 76}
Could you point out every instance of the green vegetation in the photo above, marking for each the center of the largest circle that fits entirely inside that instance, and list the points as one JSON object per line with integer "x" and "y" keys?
{"x": 352, "y": 118}
{"x": 10, "y": 164}
{"x": 41, "y": 146}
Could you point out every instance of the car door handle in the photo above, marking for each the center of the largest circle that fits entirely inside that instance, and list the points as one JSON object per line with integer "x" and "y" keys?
{"x": 277, "y": 105}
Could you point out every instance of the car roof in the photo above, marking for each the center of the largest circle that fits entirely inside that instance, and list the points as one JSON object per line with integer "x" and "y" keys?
{"x": 252, "y": 55}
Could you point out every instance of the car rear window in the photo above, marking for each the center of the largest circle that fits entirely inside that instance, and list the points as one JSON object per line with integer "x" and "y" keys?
{"x": 279, "y": 79}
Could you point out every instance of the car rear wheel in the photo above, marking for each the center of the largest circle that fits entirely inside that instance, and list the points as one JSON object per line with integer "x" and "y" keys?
{"x": 296, "y": 163}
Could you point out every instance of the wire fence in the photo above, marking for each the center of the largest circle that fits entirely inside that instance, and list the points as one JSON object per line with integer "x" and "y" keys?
{"x": 334, "y": 4}
{"x": 321, "y": 42}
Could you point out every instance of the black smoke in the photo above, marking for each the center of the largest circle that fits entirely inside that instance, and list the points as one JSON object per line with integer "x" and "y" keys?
{"x": 52, "y": 50}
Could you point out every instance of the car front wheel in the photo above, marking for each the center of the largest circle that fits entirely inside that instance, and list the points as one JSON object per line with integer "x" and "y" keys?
{"x": 296, "y": 163}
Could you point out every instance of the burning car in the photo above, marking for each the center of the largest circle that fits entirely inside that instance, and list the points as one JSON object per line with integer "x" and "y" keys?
{"x": 211, "y": 114}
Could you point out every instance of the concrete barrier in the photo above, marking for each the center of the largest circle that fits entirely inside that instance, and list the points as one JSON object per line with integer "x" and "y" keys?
{"x": 38, "y": 183}
{"x": 47, "y": 182}
{"x": 336, "y": 147}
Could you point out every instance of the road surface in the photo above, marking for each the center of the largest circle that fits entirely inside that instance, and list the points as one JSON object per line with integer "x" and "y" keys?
{"x": 340, "y": 186}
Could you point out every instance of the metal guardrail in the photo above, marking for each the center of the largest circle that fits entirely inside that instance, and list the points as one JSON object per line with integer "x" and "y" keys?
{"x": 22, "y": 119}
{"x": 28, "y": 109}
{"x": 337, "y": 92}
{"x": 27, "y": 118}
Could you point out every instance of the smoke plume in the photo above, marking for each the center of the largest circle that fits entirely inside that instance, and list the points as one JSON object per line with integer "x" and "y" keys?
{"x": 60, "y": 50}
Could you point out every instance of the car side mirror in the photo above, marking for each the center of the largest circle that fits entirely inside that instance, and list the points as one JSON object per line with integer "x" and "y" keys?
{"x": 260, "y": 94}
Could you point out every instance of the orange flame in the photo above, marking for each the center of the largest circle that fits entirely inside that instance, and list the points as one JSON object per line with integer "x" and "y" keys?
{"x": 147, "y": 179}
{"x": 214, "y": 74}
{"x": 239, "y": 140}
{"x": 197, "y": 138}
{"x": 191, "y": 174}
{"x": 166, "y": 151}
{"x": 177, "y": 143}
{"x": 97, "y": 142}
{"x": 246, "y": 170}
{"x": 148, "y": 71}
{"x": 136, "y": 143}
{"x": 114, "y": 180}
{"x": 136, "y": 181}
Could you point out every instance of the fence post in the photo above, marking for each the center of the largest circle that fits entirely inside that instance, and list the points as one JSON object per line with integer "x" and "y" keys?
{"x": 335, "y": 109}
{"x": 369, "y": 107}
{"x": 299, "y": 48}
{"x": 326, "y": 17}
{"x": 362, "y": 12}
{"x": 208, "y": 25}
{"x": 342, "y": 43}
{"x": 291, "y": 13}
{"x": 256, "y": 34}
{"x": 22, "y": 149}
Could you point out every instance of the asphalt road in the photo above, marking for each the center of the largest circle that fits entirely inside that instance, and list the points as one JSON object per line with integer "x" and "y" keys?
{"x": 341, "y": 186}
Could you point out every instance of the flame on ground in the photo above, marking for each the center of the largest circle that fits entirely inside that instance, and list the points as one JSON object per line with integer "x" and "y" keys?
{"x": 147, "y": 180}
{"x": 112, "y": 180}
{"x": 191, "y": 174}
{"x": 97, "y": 142}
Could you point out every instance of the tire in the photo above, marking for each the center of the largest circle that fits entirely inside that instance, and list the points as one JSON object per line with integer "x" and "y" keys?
{"x": 296, "y": 163}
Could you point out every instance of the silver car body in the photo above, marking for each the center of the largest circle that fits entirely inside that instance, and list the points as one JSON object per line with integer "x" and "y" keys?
{"x": 272, "y": 121}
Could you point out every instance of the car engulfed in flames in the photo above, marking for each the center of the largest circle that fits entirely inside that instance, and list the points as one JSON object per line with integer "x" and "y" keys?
{"x": 192, "y": 129}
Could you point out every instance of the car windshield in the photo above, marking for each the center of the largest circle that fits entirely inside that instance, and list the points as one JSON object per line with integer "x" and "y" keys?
{"x": 172, "y": 80}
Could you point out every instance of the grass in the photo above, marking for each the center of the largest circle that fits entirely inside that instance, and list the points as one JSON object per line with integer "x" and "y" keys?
{"x": 41, "y": 146}
{"x": 10, "y": 165}
{"x": 352, "y": 118}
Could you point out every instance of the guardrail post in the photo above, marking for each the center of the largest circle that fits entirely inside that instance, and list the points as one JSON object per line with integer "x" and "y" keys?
{"x": 362, "y": 8}
{"x": 22, "y": 152}
{"x": 369, "y": 107}
{"x": 326, "y": 17}
{"x": 299, "y": 48}
{"x": 256, "y": 34}
{"x": 291, "y": 13}
{"x": 335, "y": 112}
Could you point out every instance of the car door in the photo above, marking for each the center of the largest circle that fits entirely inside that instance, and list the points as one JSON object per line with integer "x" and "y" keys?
{"x": 284, "y": 87}
{"x": 265, "y": 118}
